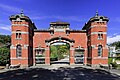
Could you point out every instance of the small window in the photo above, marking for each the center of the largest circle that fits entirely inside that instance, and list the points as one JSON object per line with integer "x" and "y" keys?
{"x": 18, "y": 51}
{"x": 100, "y": 50}
{"x": 18, "y": 35}
{"x": 100, "y": 36}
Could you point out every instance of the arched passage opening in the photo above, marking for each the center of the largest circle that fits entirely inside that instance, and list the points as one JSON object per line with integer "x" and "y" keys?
{"x": 61, "y": 54}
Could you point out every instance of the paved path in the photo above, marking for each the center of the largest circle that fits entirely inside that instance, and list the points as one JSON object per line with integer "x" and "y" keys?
{"x": 115, "y": 71}
{"x": 43, "y": 72}
{"x": 62, "y": 61}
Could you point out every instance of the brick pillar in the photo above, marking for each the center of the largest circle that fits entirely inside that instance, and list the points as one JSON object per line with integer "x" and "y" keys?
{"x": 85, "y": 56}
{"x": 12, "y": 54}
{"x": 71, "y": 55}
{"x": 34, "y": 53}
{"x": 47, "y": 56}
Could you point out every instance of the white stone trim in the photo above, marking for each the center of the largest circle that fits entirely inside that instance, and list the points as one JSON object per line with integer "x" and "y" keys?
{"x": 25, "y": 46}
{"x": 59, "y": 30}
{"x": 97, "y": 26}
{"x": 93, "y": 46}
{"x": 18, "y": 44}
{"x": 72, "y": 48}
{"x": 20, "y": 25}
{"x": 92, "y": 33}
{"x": 18, "y": 20}
{"x": 100, "y": 57}
{"x": 12, "y": 47}
{"x": 85, "y": 57}
{"x": 98, "y": 33}
{"x": 61, "y": 41}
{"x": 85, "y": 48}
{"x": 22, "y": 32}
{"x": 33, "y": 48}
{"x": 20, "y": 58}
{"x": 47, "y": 48}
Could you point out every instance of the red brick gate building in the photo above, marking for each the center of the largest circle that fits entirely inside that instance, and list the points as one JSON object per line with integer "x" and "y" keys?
{"x": 28, "y": 41}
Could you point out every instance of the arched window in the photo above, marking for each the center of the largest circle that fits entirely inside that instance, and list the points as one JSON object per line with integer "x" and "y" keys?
{"x": 18, "y": 51}
{"x": 100, "y": 50}
{"x": 18, "y": 34}
{"x": 100, "y": 35}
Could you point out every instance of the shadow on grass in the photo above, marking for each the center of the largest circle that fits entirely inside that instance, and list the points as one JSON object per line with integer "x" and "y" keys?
{"x": 77, "y": 73}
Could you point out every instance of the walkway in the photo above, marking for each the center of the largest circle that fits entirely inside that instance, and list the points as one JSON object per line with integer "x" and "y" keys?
{"x": 62, "y": 61}
{"x": 74, "y": 72}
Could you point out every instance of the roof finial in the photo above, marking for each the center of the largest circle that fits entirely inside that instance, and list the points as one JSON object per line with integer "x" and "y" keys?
{"x": 96, "y": 13}
{"x": 22, "y": 12}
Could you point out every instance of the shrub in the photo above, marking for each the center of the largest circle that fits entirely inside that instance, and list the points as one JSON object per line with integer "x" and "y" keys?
{"x": 4, "y": 56}
{"x": 114, "y": 65}
{"x": 110, "y": 60}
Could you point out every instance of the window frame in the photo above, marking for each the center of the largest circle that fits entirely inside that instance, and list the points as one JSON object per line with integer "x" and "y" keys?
{"x": 100, "y": 50}
{"x": 100, "y": 36}
{"x": 18, "y": 35}
{"x": 18, "y": 51}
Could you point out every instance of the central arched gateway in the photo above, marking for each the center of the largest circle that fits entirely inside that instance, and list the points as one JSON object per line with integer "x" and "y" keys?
{"x": 64, "y": 40}
{"x": 60, "y": 32}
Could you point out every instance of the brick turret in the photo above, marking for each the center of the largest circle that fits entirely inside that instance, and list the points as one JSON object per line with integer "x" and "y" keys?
{"x": 21, "y": 40}
{"x": 97, "y": 39}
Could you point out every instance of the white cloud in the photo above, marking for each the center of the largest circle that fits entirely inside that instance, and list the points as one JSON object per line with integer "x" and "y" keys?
{"x": 115, "y": 34}
{"x": 5, "y": 27}
{"x": 113, "y": 39}
{"x": 9, "y": 8}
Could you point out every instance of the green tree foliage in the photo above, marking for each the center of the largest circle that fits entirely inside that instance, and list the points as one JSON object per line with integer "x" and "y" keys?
{"x": 53, "y": 51}
{"x": 4, "y": 55}
{"x": 62, "y": 50}
{"x": 5, "y": 39}
{"x": 116, "y": 44}
{"x": 4, "y": 49}
{"x": 58, "y": 51}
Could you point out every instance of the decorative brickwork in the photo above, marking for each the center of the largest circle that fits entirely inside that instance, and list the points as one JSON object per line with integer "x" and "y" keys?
{"x": 26, "y": 35}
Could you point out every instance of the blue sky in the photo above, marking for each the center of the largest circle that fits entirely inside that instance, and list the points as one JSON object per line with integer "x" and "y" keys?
{"x": 76, "y": 12}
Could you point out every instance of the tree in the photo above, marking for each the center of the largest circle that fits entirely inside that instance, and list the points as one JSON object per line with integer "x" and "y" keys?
{"x": 116, "y": 44}
{"x": 62, "y": 50}
{"x": 58, "y": 51}
{"x": 53, "y": 51}
{"x": 4, "y": 56}
{"x": 4, "y": 49}
{"x": 5, "y": 39}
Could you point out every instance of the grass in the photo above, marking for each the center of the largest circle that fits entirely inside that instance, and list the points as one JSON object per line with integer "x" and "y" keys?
{"x": 116, "y": 66}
